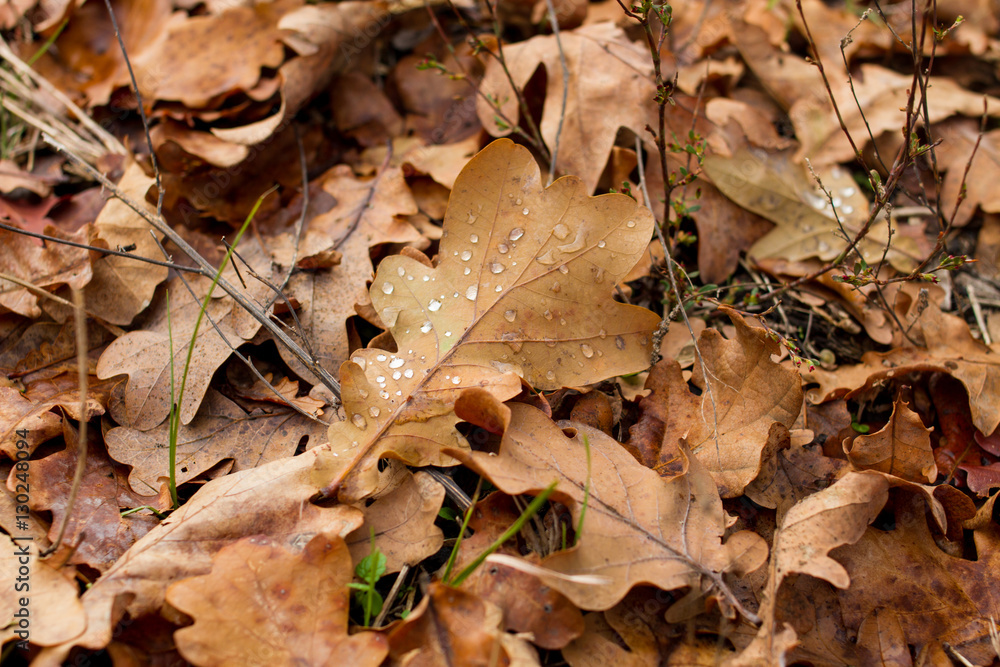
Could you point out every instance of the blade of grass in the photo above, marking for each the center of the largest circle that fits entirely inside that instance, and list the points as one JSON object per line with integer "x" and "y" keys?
{"x": 514, "y": 529}
{"x": 461, "y": 533}
{"x": 175, "y": 422}
{"x": 586, "y": 493}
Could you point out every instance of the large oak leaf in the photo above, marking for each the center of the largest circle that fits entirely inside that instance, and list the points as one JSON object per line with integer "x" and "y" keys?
{"x": 522, "y": 290}
{"x": 265, "y": 604}
{"x": 638, "y": 528}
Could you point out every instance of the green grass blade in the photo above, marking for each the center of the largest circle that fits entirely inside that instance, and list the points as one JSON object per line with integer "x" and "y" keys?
{"x": 514, "y": 529}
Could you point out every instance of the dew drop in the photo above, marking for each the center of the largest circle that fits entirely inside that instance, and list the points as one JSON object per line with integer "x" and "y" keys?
{"x": 515, "y": 234}
{"x": 846, "y": 209}
{"x": 434, "y": 305}
{"x": 409, "y": 277}
{"x": 546, "y": 258}
{"x": 426, "y": 326}
{"x": 381, "y": 357}
{"x": 363, "y": 393}
{"x": 408, "y": 373}
{"x": 517, "y": 201}
{"x": 401, "y": 272}
{"x": 374, "y": 411}
{"x": 471, "y": 293}
{"x": 472, "y": 218}
{"x": 398, "y": 393}
{"x": 456, "y": 380}
{"x": 497, "y": 267}
{"x": 603, "y": 334}
{"x": 560, "y": 231}
{"x": 547, "y": 314}
{"x": 447, "y": 334}
{"x": 380, "y": 379}
{"x": 426, "y": 278}
{"x": 555, "y": 288}
{"x": 549, "y": 342}
{"x": 599, "y": 275}
{"x": 384, "y": 394}
{"x": 396, "y": 362}
{"x": 836, "y": 202}
{"x": 359, "y": 420}
{"x": 550, "y": 375}
{"x": 454, "y": 295}
{"x": 503, "y": 248}
{"x": 524, "y": 211}
{"x": 847, "y": 192}
{"x": 619, "y": 342}
{"x": 563, "y": 269}
{"x": 823, "y": 246}
{"x": 360, "y": 361}
{"x": 512, "y": 340}
{"x": 387, "y": 288}
{"x": 467, "y": 271}
{"x": 601, "y": 243}
{"x": 510, "y": 315}
{"x": 466, "y": 255}
{"x": 499, "y": 288}
{"x": 819, "y": 204}
{"x": 396, "y": 375}
{"x": 474, "y": 238}
{"x": 630, "y": 224}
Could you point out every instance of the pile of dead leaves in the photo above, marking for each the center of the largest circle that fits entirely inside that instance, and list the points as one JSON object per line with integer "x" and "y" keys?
{"x": 712, "y": 499}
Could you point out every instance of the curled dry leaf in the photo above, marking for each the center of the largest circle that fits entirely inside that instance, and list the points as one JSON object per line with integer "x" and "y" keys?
{"x": 221, "y": 430}
{"x": 449, "y": 627}
{"x": 263, "y": 603}
{"x": 750, "y": 392}
{"x": 948, "y": 347}
{"x": 901, "y": 448}
{"x": 809, "y": 531}
{"x": 600, "y": 645}
{"x": 403, "y": 523}
{"x": 522, "y": 290}
{"x": 32, "y": 409}
{"x": 527, "y": 603}
{"x": 272, "y": 500}
{"x": 638, "y": 527}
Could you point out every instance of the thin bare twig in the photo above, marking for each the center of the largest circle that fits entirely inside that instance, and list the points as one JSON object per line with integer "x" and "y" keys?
{"x": 80, "y": 321}
{"x": 554, "y": 20}
{"x": 207, "y": 270}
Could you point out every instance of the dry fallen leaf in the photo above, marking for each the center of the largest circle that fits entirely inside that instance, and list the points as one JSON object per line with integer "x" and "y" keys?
{"x": 947, "y": 347}
{"x": 941, "y": 598}
{"x": 55, "y": 614}
{"x": 809, "y": 531}
{"x": 272, "y": 500}
{"x": 728, "y": 427}
{"x": 773, "y": 186}
{"x": 44, "y": 267}
{"x": 97, "y": 531}
{"x": 902, "y": 447}
{"x": 221, "y": 430}
{"x": 403, "y": 523}
{"x": 631, "y": 529}
{"x": 263, "y": 604}
{"x": 365, "y": 213}
{"x": 522, "y": 290}
{"x": 600, "y": 100}
{"x": 449, "y": 627}
{"x": 145, "y": 355}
